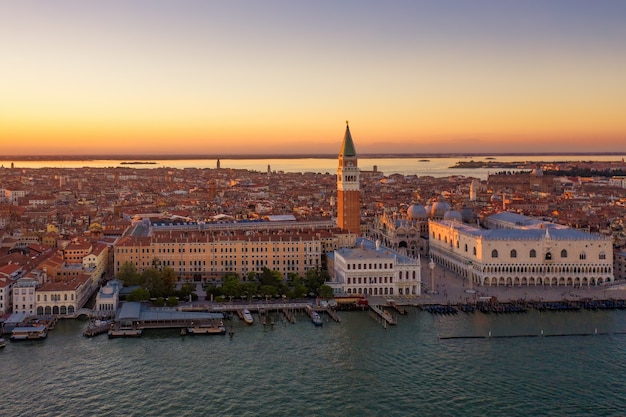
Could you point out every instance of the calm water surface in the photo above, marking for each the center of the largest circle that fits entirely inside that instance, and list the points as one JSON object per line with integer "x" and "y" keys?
{"x": 436, "y": 167}
{"x": 356, "y": 368}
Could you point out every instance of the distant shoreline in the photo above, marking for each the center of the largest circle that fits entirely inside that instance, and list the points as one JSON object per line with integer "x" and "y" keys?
{"x": 142, "y": 158}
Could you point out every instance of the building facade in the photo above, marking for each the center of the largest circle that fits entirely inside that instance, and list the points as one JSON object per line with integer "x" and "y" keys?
{"x": 231, "y": 248}
{"x": 63, "y": 298}
{"x": 372, "y": 269}
{"x": 24, "y": 296}
{"x": 348, "y": 187}
{"x": 522, "y": 252}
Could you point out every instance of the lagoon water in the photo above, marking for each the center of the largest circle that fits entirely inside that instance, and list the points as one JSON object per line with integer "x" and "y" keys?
{"x": 434, "y": 166}
{"x": 354, "y": 368}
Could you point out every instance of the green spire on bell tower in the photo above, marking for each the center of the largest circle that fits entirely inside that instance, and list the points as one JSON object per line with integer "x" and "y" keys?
{"x": 347, "y": 147}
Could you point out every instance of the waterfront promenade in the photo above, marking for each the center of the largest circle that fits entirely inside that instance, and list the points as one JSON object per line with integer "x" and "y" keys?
{"x": 451, "y": 289}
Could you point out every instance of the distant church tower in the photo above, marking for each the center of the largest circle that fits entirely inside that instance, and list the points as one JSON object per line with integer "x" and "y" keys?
{"x": 348, "y": 194}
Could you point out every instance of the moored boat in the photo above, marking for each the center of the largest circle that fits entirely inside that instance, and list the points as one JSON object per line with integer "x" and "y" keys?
{"x": 124, "y": 332}
{"x": 207, "y": 329}
{"x": 316, "y": 319}
{"x": 29, "y": 333}
{"x": 3, "y": 343}
{"x": 247, "y": 317}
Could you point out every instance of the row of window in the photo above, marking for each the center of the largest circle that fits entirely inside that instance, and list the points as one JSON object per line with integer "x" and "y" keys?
{"x": 369, "y": 266}
{"x": 548, "y": 256}
{"x": 513, "y": 254}
{"x": 214, "y": 250}
{"x": 370, "y": 280}
{"x": 55, "y": 297}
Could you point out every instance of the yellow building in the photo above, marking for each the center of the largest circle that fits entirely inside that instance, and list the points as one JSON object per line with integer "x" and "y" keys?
{"x": 235, "y": 248}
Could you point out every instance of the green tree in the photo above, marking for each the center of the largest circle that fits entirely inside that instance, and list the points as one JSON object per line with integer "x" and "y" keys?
{"x": 326, "y": 291}
{"x": 297, "y": 289}
{"x": 313, "y": 280}
{"x": 270, "y": 277}
{"x": 171, "y": 301}
{"x": 169, "y": 281}
{"x": 231, "y": 286}
{"x": 249, "y": 289}
{"x": 128, "y": 275}
{"x": 139, "y": 294}
{"x": 186, "y": 290}
{"x": 153, "y": 281}
{"x": 268, "y": 290}
{"x": 214, "y": 290}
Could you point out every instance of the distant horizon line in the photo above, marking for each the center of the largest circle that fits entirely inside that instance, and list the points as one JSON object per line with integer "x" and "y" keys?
{"x": 144, "y": 157}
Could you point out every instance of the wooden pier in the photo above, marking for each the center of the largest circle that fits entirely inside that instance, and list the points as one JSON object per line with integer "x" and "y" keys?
{"x": 333, "y": 314}
{"x": 291, "y": 318}
{"x": 398, "y": 308}
{"x": 385, "y": 316}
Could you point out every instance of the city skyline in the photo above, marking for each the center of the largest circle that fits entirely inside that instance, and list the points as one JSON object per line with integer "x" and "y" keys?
{"x": 281, "y": 77}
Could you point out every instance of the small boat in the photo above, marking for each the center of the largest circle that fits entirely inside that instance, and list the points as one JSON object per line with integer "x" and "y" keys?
{"x": 424, "y": 160}
{"x": 316, "y": 319}
{"x": 247, "y": 317}
{"x": 3, "y": 343}
{"x": 125, "y": 332}
{"x": 29, "y": 333}
{"x": 207, "y": 329}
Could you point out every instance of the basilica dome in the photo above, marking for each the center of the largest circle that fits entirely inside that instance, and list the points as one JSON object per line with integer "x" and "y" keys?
{"x": 416, "y": 212}
{"x": 453, "y": 215}
{"x": 439, "y": 209}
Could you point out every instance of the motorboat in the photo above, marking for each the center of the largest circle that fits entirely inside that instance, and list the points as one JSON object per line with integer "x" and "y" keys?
{"x": 316, "y": 319}
{"x": 247, "y": 317}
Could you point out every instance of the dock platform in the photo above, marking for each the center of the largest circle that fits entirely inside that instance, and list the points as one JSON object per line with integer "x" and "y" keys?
{"x": 385, "y": 316}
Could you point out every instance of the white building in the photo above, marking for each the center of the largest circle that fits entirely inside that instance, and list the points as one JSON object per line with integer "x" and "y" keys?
{"x": 522, "y": 251}
{"x": 107, "y": 299}
{"x": 371, "y": 269}
{"x": 64, "y": 298}
{"x": 24, "y": 296}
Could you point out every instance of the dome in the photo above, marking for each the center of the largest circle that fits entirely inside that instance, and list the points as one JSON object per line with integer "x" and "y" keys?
{"x": 453, "y": 215}
{"x": 467, "y": 214}
{"x": 439, "y": 209}
{"x": 416, "y": 212}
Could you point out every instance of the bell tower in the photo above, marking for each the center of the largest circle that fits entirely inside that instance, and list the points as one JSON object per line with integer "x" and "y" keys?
{"x": 348, "y": 187}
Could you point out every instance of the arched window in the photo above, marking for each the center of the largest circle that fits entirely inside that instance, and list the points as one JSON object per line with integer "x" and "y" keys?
{"x": 563, "y": 253}
{"x": 466, "y": 247}
{"x": 548, "y": 256}
{"x": 602, "y": 255}
{"x": 474, "y": 250}
{"x": 513, "y": 253}
{"x": 582, "y": 256}
{"x": 494, "y": 253}
{"x": 533, "y": 253}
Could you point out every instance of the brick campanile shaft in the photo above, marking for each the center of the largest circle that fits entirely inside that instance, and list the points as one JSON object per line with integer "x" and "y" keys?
{"x": 348, "y": 187}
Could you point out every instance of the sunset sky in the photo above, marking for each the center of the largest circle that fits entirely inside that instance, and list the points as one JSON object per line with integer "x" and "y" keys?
{"x": 282, "y": 77}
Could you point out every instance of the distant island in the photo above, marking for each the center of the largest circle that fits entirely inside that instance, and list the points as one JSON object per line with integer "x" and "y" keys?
{"x": 490, "y": 164}
{"x": 423, "y": 156}
{"x": 138, "y": 163}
